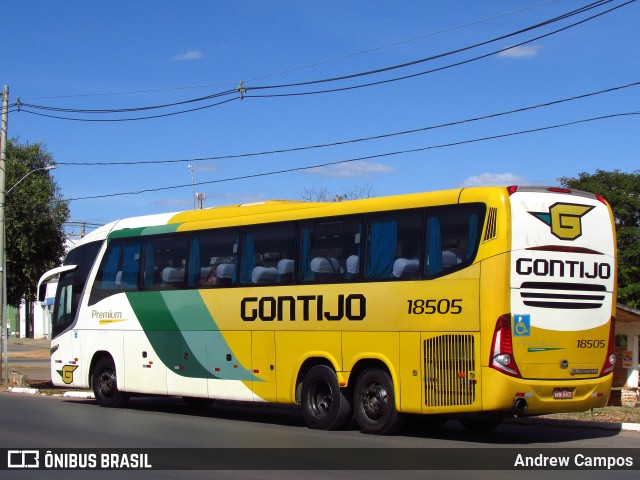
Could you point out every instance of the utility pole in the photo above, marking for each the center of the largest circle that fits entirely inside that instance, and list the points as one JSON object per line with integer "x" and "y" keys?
{"x": 193, "y": 189}
{"x": 3, "y": 266}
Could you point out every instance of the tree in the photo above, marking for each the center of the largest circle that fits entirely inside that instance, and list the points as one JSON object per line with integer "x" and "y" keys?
{"x": 323, "y": 194}
{"x": 621, "y": 190}
{"x": 35, "y": 213}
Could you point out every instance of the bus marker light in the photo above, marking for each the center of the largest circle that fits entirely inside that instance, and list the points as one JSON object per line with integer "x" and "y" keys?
{"x": 217, "y": 369}
{"x": 342, "y": 384}
{"x": 235, "y": 365}
{"x": 256, "y": 371}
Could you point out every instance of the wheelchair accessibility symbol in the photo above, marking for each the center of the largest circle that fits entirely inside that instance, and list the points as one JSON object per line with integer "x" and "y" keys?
{"x": 522, "y": 325}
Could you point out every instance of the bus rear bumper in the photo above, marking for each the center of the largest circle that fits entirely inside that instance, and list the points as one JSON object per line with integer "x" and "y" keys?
{"x": 537, "y": 397}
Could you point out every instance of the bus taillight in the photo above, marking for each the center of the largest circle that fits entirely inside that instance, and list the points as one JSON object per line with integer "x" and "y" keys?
{"x": 610, "y": 359}
{"x": 502, "y": 358}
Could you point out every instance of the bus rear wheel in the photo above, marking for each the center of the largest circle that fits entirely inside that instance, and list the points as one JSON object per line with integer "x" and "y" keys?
{"x": 374, "y": 403}
{"x": 105, "y": 384}
{"x": 324, "y": 405}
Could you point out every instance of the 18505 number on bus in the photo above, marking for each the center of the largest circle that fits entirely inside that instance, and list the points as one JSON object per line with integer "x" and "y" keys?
{"x": 433, "y": 306}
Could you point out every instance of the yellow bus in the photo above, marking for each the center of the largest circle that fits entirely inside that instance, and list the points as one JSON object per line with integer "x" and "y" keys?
{"x": 475, "y": 303}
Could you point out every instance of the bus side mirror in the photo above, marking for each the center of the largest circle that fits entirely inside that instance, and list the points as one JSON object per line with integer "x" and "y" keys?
{"x": 42, "y": 292}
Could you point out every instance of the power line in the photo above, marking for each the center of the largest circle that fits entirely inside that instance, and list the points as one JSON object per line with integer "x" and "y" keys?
{"x": 295, "y": 69}
{"x": 363, "y": 139}
{"x": 564, "y": 16}
{"x": 126, "y": 110}
{"x": 244, "y": 89}
{"x": 367, "y": 157}
{"x": 57, "y": 117}
{"x": 426, "y": 72}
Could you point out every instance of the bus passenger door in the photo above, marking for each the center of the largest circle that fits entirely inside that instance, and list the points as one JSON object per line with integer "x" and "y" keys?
{"x": 263, "y": 357}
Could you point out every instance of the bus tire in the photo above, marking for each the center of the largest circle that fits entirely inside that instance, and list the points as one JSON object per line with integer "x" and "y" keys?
{"x": 374, "y": 403}
{"x": 324, "y": 405}
{"x": 105, "y": 384}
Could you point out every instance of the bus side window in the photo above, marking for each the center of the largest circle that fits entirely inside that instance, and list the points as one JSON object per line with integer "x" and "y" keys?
{"x": 267, "y": 254}
{"x": 394, "y": 245}
{"x": 213, "y": 258}
{"x": 164, "y": 262}
{"x": 331, "y": 250}
{"x": 119, "y": 270}
{"x": 452, "y": 238}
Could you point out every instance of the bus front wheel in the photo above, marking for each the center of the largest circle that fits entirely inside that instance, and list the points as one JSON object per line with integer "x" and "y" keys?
{"x": 374, "y": 403}
{"x": 105, "y": 384}
{"x": 324, "y": 405}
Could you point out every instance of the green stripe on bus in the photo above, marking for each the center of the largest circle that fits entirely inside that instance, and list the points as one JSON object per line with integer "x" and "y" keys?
{"x": 137, "y": 232}
{"x": 185, "y": 336}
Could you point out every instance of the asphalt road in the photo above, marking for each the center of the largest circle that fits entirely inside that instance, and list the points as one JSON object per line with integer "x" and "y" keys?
{"x": 56, "y": 422}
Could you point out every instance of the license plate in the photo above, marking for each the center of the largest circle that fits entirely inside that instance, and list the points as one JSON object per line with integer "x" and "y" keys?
{"x": 562, "y": 393}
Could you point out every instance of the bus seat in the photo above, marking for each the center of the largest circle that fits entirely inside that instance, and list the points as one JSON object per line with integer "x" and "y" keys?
{"x": 119, "y": 278}
{"x": 224, "y": 274}
{"x": 406, "y": 268}
{"x": 172, "y": 275}
{"x": 325, "y": 269}
{"x": 450, "y": 259}
{"x": 264, "y": 275}
{"x": 285, "y": 270}
{"x": 204, "y": 272}
{"x": 353, "y": 266}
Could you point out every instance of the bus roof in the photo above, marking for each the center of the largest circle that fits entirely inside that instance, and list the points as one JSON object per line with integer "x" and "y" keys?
{"x": 282, "y": 210}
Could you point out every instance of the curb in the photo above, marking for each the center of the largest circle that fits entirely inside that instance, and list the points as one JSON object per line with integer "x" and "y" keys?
{"x": 70, "y": 394}
{"x": 627, "y": 427}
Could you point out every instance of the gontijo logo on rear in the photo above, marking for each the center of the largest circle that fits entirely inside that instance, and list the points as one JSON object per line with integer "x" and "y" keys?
{"x": 565, "y": 219}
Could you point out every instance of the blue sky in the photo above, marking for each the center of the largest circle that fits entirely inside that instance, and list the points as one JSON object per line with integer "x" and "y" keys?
{"x": 116, "y": 55}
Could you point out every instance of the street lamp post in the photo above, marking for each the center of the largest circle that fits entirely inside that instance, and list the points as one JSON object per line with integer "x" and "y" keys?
{"x": 3, "y": 265}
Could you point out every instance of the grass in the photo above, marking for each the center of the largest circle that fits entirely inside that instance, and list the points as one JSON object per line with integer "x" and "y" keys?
{"x": 607, "y": 414}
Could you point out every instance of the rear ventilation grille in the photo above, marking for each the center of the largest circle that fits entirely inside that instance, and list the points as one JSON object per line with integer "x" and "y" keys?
{"x": 491, "y": 231}
{"x": 568, "y": 296}
{"x": 450, "y": 377}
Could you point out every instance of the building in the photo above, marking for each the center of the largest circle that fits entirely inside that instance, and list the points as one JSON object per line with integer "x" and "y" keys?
{"x": 625, "y": 376}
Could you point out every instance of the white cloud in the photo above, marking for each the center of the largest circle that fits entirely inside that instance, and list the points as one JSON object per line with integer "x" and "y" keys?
{"x": 190, "y": 55}
{"x": 522, "y": 51}
{"x": 487, "y": 179}
{"x": 352, "y": 169}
